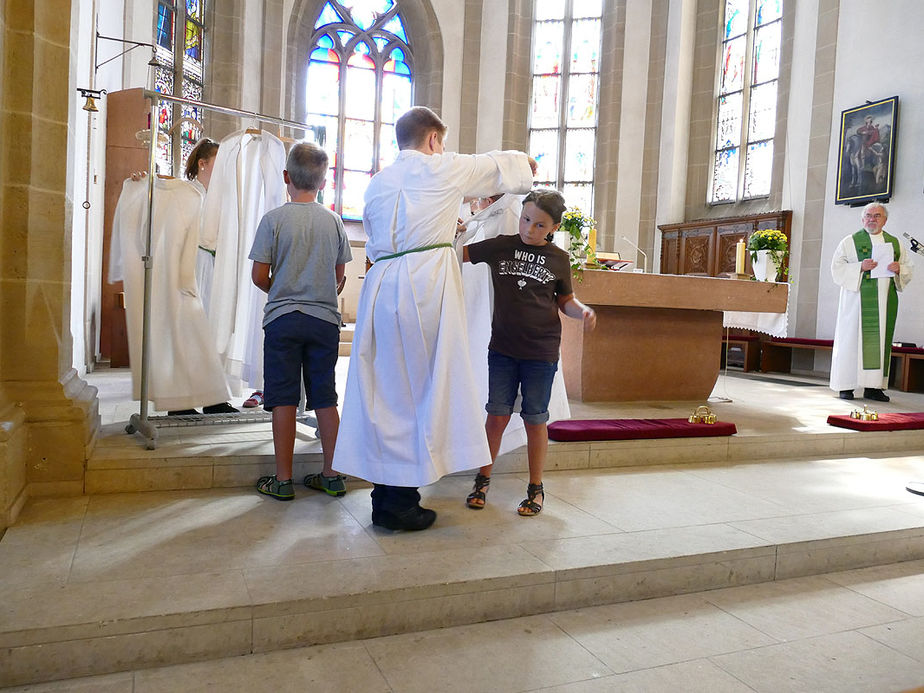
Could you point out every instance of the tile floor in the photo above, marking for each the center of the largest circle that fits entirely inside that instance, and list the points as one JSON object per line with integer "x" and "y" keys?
{"x": 859, "y": 630}
{"x": 248, "y": 572}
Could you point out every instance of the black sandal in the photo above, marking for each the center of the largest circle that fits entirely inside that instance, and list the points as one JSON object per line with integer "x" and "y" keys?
{"x": 478, "y": 494}
{"x": 529, "y": 507}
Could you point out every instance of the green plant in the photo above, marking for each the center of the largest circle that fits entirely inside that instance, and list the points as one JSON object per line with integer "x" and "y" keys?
{"x": 773, "y": 240}
{"x": 578, "y": 226}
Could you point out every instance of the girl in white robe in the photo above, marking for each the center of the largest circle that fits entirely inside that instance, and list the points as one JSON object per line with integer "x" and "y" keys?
{"x": 198, "y": 171}
{"x": 502, "y": 217}
{"x": 184, "y": 370}
{"x": 246, "y": 183}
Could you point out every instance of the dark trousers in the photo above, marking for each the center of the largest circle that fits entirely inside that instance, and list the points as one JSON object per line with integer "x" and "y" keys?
{"x": 394, "y": 499}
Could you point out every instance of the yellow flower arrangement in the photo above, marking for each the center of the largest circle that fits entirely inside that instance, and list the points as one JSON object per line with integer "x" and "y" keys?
{"x": 773, "y": 240}
{"x": 574, "y": 222}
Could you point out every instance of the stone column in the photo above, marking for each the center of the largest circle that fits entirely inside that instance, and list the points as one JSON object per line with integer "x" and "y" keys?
{"x": 48, "y": 416}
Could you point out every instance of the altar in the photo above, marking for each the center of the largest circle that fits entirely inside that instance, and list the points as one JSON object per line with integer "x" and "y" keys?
{"x": 658, "y": 336}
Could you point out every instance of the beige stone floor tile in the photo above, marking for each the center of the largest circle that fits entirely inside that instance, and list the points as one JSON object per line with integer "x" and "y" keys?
{"x": 40, "y": 547}
{"x": 519, "y": 654}
{"x": 655, "y": 632}
{"x": 365, "y": 580}
{"x": 636, "y": 499}
{"x": 900, "y": 585}
{"x": 837, "y": 663}
{"x": 498, "y": 523}
{"x": 163, "y": 534}
{"x": 840, "y": 523}
{"x": 697, "y": 676}
{"x": 817, "y": 485}
{"x": 101, "y": 608}
{"x": 109, "y": 683}
{"x": 606, "y": 554}
{"x": 334, "y": 668}
{"x": 802, "y": 608}
{"x": 906, "y": 637}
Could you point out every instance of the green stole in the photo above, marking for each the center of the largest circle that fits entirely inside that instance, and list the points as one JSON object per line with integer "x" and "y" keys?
{"x": 869, "y": 305}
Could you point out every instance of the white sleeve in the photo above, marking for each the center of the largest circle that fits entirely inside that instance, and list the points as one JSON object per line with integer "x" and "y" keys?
{"x": 845, "y": 267}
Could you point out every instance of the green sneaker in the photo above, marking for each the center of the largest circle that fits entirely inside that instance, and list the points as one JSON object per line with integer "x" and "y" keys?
{"x": 331, "y": 485}
{"x": 280, "y": 490}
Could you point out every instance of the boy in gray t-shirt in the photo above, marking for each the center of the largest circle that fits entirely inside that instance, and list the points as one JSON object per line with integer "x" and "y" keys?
{"x": 299, "y": 255}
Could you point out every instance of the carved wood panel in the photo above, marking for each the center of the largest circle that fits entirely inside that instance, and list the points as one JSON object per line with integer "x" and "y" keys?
{"x": 708, "y": 246}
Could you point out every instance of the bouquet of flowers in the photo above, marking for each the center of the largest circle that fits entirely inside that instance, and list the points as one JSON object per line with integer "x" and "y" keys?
{"x": 766, "y": 239}
{"x": 580, "y": 251}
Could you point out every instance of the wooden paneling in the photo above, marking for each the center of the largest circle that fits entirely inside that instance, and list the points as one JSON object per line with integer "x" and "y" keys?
{"x": 707, "y": 247}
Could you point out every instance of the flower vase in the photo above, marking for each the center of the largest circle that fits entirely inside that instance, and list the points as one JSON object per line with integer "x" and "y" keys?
{"x": 766, "y": 265}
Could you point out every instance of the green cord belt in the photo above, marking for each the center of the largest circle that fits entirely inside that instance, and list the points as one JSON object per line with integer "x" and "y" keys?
{"x": 414, "y": 250}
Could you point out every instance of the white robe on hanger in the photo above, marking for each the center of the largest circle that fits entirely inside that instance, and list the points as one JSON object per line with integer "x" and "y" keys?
{"x": 184, "y": 370}
{"x": 246, "y": 183}
{"x": 502, "y": 218}
{"x": 411, "y": 410}
{"x": 205, "y": 262}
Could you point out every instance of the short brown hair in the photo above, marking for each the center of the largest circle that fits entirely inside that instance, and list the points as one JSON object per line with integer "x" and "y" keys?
{"x": 549, "y": 201}
{"x": 204, "y": 150}
{"x": 415, "y": 125}
{"x": 307, "y": 166}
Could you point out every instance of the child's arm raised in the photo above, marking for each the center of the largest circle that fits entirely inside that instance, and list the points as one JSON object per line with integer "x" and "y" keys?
{"x": 573, "y": 308}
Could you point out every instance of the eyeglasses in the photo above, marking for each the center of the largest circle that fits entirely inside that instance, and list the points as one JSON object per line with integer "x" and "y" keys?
{"x": 872, "y": 216}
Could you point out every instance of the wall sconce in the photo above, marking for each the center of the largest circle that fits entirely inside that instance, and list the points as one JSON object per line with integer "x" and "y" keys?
{"x": 91, "y": 95}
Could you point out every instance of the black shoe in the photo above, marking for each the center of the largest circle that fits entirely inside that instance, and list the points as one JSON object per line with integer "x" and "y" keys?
{"x": 182, "y": 412}
{"x": 875, "y": 394}
{"x": 411, "y": 520}
{"x": 221, "y": 408}
{"x": 846, "y": 394}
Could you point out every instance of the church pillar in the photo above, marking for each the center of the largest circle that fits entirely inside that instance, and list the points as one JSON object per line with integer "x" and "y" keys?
{"x": 48, "y": 416}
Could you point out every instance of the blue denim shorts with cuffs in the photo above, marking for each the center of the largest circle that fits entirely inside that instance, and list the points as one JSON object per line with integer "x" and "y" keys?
{"x": 533, "y": 379}
{"x": 297, "y": 346}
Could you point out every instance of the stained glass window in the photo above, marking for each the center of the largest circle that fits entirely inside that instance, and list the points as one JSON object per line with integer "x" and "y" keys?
{"x": 746, "y": 103}
{"x": 359, "y": 81}
{"x": 180, "y": 50}
{"x": 564, "y": 99}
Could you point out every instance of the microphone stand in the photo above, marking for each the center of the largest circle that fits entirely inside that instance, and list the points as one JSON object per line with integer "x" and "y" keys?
{"x": 916, "y": 487}
{"x": 641, "y": 252}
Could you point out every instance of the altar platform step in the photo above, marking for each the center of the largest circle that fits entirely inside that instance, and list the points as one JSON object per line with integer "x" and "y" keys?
{"x": 118, "y": 582}
{"x": 777, "y": 417}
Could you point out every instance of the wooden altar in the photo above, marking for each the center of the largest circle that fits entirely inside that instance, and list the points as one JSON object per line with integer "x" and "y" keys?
{"x": 658, "y": 336}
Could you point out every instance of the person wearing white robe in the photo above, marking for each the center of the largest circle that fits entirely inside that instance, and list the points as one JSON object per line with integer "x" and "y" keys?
{"x": 850, "y": 267}
{"x": 184, "y": 370}
{"x": 198, "y": 171}
{"x": 411, "y": 409}
{"x": 501, "y": 217}
{"x": 246, "y": 183}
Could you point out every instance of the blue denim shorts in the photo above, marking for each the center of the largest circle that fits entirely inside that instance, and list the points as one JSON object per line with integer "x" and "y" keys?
{"x": 533, "y": 379}
{"x": 297, "y": 346}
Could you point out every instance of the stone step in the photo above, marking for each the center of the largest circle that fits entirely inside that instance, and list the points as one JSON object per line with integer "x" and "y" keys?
{"x": 155, "y": 579}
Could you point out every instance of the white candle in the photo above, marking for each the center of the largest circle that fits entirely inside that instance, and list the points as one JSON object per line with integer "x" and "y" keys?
{"x": 739, "y": 257}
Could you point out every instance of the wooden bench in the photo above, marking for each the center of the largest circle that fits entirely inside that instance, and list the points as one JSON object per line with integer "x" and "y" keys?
{"x": 910, "y": 378}
{"x": 747, "y": 346}
{"x": 776, "y": 352}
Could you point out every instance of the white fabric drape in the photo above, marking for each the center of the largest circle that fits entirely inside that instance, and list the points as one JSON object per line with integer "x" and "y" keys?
{"x": 500, "y": 218}
{"x": 411, "y": 410}
{"x": 246, "y": 183}
{"x": 184, "y": 370}
{"x": 847, "y": 372}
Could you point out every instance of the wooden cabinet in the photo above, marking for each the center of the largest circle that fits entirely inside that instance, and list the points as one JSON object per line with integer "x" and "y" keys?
{"x": 707, "y": 247}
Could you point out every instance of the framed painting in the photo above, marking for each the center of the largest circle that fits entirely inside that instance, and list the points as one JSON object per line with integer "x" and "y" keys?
{"x": 866, "y": 152}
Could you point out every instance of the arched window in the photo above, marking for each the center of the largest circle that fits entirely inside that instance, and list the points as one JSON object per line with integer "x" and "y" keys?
{"x": 563, "y": 112}
{"x": 359, "y": 81}
{"x": 179, "y": 23}
{"x": 749, "y": 69}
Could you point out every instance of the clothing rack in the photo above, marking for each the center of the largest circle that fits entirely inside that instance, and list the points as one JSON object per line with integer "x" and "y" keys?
{"x": 142, "y": 423}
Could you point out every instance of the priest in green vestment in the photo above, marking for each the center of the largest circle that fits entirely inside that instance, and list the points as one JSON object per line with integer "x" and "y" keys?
{"x": 871, "y": 267}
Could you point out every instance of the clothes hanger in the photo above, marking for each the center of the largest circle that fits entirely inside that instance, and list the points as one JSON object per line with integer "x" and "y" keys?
{"x": 254, "y": 128}
{"x": 283, "y": 138}
{"x": 179, "y": 124}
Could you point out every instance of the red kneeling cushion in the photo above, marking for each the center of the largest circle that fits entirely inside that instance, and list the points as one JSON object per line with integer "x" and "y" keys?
{"x": 631, "y": 429}
{"x": 887, "y": 422}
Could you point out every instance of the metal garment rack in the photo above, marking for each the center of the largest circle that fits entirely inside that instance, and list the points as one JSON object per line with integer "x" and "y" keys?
{"x": 141, "y": 422}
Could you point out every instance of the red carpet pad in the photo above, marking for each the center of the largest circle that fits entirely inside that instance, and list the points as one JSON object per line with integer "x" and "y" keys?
{"x": 633, "y": 429}
{"x": 886, "y": 422}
